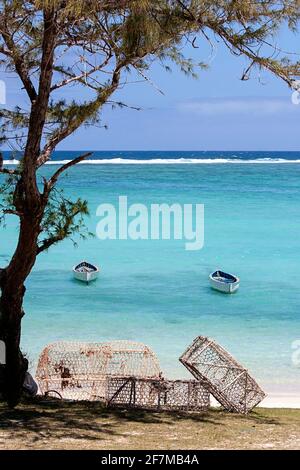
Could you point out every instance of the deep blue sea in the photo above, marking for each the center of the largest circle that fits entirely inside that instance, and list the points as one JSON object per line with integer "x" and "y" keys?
{"x": 155, "y": 291}
{"x": 175, "y": 157}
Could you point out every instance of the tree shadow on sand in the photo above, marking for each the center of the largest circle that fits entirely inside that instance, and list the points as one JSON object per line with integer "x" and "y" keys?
{"x": 45, "y": 418}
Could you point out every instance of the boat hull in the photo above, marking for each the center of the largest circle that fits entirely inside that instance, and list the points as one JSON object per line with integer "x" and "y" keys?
{"x": 86, "y": 277}
{"x": 85, "y": 272}
{"x": 225, "y": 287}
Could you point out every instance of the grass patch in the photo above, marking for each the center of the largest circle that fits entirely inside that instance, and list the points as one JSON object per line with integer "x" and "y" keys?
{"x": 52, "y": 424}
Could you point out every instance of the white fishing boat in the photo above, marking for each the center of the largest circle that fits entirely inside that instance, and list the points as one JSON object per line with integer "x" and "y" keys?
{"x": 224, "y": 282}
{"x": 85, "y": 272}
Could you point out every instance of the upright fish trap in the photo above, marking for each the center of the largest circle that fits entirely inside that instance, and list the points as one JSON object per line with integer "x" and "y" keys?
{"x": 222, "y": 375}
{"x": 79, "y": 371}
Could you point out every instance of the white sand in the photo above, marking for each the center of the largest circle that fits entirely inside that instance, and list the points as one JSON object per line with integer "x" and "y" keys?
{"x": 284, "y": 400}
{"x": 276, "y": 400}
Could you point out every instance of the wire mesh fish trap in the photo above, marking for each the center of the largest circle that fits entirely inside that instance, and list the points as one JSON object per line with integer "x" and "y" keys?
{"x": 79, "y": 371}
{"x": 222, "y": 375}
{"x": 157, "y": 394}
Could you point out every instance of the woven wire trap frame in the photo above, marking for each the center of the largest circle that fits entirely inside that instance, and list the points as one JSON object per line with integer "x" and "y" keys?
{"x": 79, "y": 371}
{"x": 157, "y": 395}
{"x": 222, "y": 375}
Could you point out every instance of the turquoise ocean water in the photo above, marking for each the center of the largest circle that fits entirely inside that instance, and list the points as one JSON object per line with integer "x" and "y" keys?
{"x": 156, "y": 291}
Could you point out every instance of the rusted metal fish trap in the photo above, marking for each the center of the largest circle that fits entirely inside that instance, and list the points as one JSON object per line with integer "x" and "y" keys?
{"x": 79, "y": 371}
{"x": 222, "y": 375}
{"x": 157, "y": 394}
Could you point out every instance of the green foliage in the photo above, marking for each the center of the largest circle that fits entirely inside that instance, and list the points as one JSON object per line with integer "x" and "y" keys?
{"x": 7, "y": 189}
{"x": 62, "y": 219}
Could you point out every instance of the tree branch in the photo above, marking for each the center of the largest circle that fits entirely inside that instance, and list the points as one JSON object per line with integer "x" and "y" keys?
{"x": 255, "y": 58}
{"x": 81, "y": 77}
{"x": 90, "y": 109}
{"x": 48, "y": 242}
{"x": 12, "y": 212}
{"x": 18, "y": 60}
{"x": 6, "y": 171}
{"x": 5, "y": 51}
{"x": 51, "y": 182}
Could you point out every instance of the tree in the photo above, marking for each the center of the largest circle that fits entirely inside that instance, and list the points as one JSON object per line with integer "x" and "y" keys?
{"x": 97, "y": 45}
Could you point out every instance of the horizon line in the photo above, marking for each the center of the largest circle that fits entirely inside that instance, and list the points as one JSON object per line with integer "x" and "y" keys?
{"x": 159, "y": 150}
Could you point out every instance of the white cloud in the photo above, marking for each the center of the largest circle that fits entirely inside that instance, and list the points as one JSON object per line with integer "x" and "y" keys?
{"x": 253, "y": 106}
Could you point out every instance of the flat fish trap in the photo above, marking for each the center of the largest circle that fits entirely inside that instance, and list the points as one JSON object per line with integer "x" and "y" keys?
{"x": 79, "y": 371}
{"x": 222, "y": 375}
{"x": 157, "y": 394}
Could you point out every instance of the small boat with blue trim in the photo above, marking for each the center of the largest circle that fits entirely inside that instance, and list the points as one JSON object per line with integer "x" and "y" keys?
{"x": 85, "y": 272}
{"x": 224, "y": 282}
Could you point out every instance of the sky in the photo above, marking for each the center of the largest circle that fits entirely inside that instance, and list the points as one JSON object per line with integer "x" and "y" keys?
{"x": 217, "y": 111}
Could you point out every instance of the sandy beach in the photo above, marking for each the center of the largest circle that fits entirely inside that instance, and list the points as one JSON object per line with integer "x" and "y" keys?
{"x": 281, "y": 401}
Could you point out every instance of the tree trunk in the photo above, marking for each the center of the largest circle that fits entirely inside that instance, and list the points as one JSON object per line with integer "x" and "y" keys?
{"x": 14, "y": 372}
{"x": 30, "y": 206}
{"x": 11, "y": 310}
